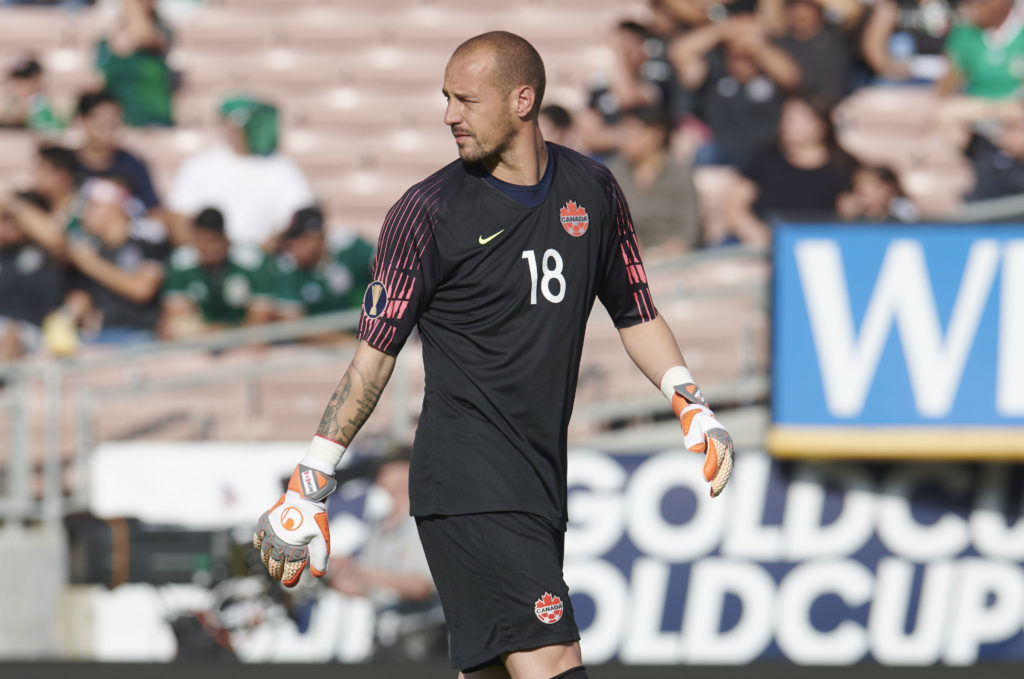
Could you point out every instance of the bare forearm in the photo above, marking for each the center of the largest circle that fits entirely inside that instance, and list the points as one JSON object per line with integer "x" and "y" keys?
{"x": 779, "y": 66}
{"x": 653, "y": 348}
{"x": 138, "y": 286}
{"x": 356, "y": 394}
{"x": 38, "y": 226}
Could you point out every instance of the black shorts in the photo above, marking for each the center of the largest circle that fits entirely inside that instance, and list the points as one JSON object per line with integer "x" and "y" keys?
{"x": 499, "y": 576}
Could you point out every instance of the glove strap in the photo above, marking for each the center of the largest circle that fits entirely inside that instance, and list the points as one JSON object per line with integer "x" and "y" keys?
{"x": 312, "y": 484}
{"x": 679, "y": 388}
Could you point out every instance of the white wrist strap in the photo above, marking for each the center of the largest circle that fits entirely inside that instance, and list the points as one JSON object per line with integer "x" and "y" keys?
{"x": 673, "y": 376}
{"x": 324, "y": 455}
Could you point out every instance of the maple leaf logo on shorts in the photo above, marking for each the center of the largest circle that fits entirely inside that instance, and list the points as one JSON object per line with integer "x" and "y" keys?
{"x": 574, "y": 219}
{"x": 548, "y": 609}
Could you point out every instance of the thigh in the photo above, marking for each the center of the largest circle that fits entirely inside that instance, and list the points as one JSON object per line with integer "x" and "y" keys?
{"x": 499, "y": 576}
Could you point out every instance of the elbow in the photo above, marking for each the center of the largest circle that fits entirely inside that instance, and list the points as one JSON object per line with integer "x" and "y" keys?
{"x": 143, "y": 294}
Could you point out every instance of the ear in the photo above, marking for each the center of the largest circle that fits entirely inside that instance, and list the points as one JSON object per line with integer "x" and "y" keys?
{"x": 524, "y": 99}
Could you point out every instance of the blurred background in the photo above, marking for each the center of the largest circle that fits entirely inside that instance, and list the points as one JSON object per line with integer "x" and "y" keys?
{"x": 828, "y": 195}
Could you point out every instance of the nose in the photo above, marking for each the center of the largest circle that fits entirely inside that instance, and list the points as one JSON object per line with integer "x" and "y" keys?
{"x": 452, "y": 114}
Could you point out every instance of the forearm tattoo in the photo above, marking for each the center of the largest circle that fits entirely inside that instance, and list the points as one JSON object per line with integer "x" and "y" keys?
{"x": 338, "y": 426}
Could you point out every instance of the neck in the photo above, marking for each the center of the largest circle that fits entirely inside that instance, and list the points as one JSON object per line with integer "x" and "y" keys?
{"x": 525, "y": 159}
{"x": 807, "y": 155}
{"x": 92, "y": 154}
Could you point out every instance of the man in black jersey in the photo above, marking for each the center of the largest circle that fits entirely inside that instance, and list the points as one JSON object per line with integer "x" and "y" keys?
{"x": 497, "y": 258}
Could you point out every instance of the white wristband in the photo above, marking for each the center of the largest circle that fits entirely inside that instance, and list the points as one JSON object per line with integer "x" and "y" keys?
{"x": 324, "y": 455}
{"x": 673, "y": 376}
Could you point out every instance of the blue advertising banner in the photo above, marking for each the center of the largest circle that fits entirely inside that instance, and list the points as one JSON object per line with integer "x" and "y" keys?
{"x": 811, "y": 563}
{"x": 897, "y": 341}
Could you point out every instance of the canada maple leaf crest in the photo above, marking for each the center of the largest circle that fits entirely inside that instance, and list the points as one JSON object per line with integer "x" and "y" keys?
{"x": 574, "y": 218}
{"x": 548, "y": 608}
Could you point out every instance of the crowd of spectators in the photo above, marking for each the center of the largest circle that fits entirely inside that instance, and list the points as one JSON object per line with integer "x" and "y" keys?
{"x": 91, "y": 252}
{"x": 754, "y": 85}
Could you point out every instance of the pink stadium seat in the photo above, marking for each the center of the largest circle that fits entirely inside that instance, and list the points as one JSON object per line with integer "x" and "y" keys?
{"x": 228, "y": 29}
{"x": 35, "y": 29}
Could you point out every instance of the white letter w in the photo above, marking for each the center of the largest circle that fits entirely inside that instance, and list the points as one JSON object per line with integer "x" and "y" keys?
{"x": 903, "y": 293}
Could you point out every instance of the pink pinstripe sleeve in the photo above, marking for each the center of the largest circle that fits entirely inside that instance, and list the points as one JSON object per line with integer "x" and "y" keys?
{"x": 635, "y": 278}
{"x": 402, "y": 247}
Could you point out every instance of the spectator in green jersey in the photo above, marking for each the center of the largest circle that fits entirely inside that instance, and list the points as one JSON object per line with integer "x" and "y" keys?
{"x": 317, "y": 274}
{"x": 986, "y": 50}
{"x": 133, "y": 60}
{"x": 213, "y": 285}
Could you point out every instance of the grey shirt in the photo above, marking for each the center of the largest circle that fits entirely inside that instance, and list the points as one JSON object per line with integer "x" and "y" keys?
{"x": 665, "y": 211}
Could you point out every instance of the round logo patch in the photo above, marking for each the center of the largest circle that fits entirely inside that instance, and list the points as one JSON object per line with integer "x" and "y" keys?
{"x": 375, "y": 300}
{"x": 548, "y": 609}
{"x": 291, "y": 518}
{"x": 574, "y": 219}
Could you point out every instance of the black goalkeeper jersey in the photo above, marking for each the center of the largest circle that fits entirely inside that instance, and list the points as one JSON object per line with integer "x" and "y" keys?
{"x": 501, "y": 294}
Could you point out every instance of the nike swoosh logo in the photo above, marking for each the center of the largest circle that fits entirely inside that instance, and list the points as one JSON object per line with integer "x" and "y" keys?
{"x": 485, "y": 241}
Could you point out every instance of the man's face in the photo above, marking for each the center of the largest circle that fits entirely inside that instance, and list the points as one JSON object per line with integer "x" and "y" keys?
{"x": 307, "y": 249}
{"x": 481, "y": 118}
{"x": 103, "y": 124}
{"x": 24, "y": 88}
{"x": 875, "y": 193}
{"x": 394, "y": 478}
{"x": 99, "y": 217}
{"x": 211, "y": 246}
{"x": 50, "y": 181}
{"x": 639, "y": 140}
{"x": 805, "y": 17}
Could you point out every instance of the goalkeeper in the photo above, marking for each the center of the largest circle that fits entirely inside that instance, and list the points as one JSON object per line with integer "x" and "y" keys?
{"x": 497, "y": 259}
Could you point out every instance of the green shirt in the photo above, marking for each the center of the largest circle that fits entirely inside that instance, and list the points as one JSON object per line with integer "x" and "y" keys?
{"x": 222, "y": 294}
{"x": 336, "y": 284}
{"x": 992, "y": 68}
{"x": 141, "y": 82}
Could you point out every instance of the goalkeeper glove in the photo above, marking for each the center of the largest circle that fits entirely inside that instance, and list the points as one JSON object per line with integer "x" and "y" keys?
{"x": 703, "y": 433}
{"x": 294, "y": 531}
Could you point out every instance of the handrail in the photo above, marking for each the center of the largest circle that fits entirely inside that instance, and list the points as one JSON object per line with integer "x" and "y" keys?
{"x": 993, "y": 209}
{"x": 222, "y": 339}
{"x": 695, "y": 258}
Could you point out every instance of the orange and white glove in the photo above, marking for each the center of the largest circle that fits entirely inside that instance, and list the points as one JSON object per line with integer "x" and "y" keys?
{"x": 295, "y": 530}
{"x": 702, "y": 432}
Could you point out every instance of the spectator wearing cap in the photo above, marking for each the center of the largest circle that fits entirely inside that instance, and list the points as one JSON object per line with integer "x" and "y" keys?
{"x": 317, "y": 274}
{"x": 31, "y": 281}
{"x": 212, "y": 285}
{"x": 986, "y": 50}
{"x": 25, "y": 102}
{"x": 133, "y": 60}
{"x": 658, "y": 187}
{"x": 119, "y": 257}
{"x": 255, "y": 187}
{"x": 101, "y": 154}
